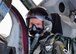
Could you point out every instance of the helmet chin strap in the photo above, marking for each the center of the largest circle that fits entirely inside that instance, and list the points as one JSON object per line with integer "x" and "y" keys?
{"x": 45, "y": 30}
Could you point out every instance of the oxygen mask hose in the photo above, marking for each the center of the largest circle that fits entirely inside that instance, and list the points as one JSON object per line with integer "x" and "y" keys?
{"x": 34, "y": 42}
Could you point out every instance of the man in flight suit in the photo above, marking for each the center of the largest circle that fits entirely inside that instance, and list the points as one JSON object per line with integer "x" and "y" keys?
{"x": 41, "y": 40}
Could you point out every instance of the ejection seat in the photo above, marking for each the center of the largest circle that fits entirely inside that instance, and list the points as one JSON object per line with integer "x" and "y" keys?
{"x": 57, "y": 27}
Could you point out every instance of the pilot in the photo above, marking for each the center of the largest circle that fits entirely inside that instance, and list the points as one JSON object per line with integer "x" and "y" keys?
{"x": 41, "y": 40}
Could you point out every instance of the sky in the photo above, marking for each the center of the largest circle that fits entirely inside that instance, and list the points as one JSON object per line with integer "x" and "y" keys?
{"x": 6, "y": 23}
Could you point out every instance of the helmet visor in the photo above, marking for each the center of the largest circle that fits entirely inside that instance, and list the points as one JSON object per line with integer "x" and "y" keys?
{"x": 37, "y": 16}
